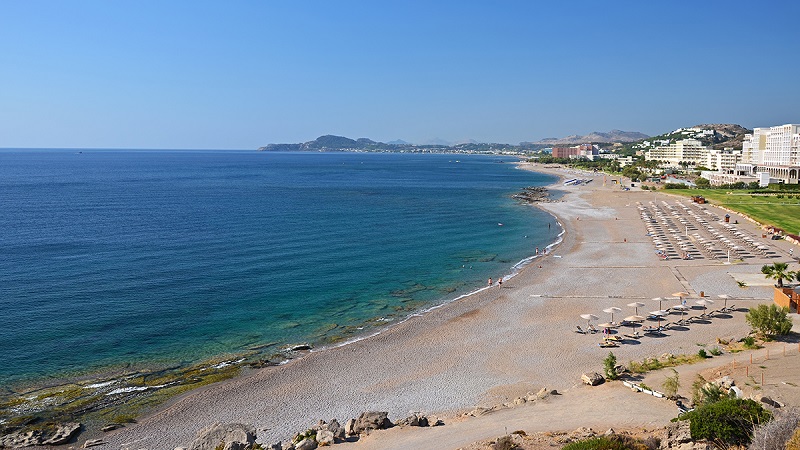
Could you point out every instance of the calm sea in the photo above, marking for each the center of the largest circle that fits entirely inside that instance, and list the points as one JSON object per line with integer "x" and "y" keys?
{"x": 110, "y": 258}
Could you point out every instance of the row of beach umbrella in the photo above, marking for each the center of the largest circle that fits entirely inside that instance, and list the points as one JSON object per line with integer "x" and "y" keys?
{"x": 660, "y": 313}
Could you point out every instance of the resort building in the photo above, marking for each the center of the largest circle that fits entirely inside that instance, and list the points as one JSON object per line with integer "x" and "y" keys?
{"x": 577, "y": 151}
{"x": 775, "y": 150}
{"x": 723, "y": 161}
{"x": 689, "y": 152}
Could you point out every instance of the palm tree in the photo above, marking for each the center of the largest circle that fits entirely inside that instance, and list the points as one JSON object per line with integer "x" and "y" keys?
{"x": 778, "y": 271}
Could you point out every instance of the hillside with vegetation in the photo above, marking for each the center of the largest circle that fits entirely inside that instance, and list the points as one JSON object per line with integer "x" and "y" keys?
{"x": 718, "y": 136}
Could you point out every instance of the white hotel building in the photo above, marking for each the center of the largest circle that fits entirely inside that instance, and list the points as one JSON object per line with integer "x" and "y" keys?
{"x": 775, "y": 150}
{"x": 690, "y": 152}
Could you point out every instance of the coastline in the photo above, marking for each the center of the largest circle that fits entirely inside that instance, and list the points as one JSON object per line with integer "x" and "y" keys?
{"x": 487, "y": 364}
{"x": 114, "y": 379}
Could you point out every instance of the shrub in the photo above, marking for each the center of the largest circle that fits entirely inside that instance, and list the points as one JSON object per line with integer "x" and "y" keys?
{"x": 749, "y": 343}
{"x": 776, "y": 435}
{"x": 702, "y": 353}
{"x": 716, "y": 351}
{"x": 794, "y": 441}
{"x": 769, "y": 320}
{"x": 697, "y": 389}
{"x": 727, "y": 422}
{"x": 671, "y": 384}
{"x": 613, "y": 442}
{"x": 610, "y": 366}
{"x": 505, "y": 443}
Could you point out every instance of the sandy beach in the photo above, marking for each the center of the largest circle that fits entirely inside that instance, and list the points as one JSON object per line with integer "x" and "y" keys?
{"x": 494, "y": 346}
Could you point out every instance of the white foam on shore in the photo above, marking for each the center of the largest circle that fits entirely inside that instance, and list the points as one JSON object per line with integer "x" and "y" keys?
{"x": 135, "y": 389}
{"x": 100, "y": 385}
{"x": 515, "y": 270}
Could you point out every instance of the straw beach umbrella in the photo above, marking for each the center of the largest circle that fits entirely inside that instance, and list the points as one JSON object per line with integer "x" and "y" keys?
{"x": 704, "y": 302}
{"x": 660, "y": 314}
{"x": 681, "y": 295}
{"x": 724, "y": 297}
{"x": 659, "y": 300}
{"x": 682, "y": 309}
{"x": 589, "y": 318}
{"x": 611, "y": 311}
{"x": 636, "y": 306}
{"x": 634, "y": 319}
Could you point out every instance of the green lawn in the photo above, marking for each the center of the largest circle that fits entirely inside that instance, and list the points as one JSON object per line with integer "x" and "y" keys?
{"x": 781, "y": 212}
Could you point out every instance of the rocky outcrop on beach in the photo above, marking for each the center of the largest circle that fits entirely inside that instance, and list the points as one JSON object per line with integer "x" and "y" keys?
{"x": 237, "y": 436}
{"x": 533, "y": 194}
{"x": 56, "y": 434}
{"x": 233, "y": 436}
{"x": 592, "y": 379}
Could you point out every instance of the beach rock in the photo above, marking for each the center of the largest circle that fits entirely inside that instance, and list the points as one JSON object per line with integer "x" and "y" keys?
{"x": 236, "y": 446}
{"x": 592, "y": 379}
{"x": 325, "y": 437}
{"x": 349, "y": 427}
{"x": 21, "y": 439}
{"x": 677, "y": 434}
{"x": 185, "y": 448}
{"x": 306, "y": 444}
{"x": 770, "y": 402}
{"x": 372, "y": 420}
{"x": 276, "y": 446}
{"x": 725, "y": 382}
{"x": 336, "y": 430}
{"x": 211, "y": 437}
{"x": 738, "y": 392}
{"x": 287, "y": 446}
{"x": 93, "y": 443}
{"x": 414, "y": 420}
{"x": 63, "y": 433}
{"x": 300, "y": 347}
{"x": 583, "y": 433}
{"x": 479, "y": 411}
{"x": 111, "y": 427}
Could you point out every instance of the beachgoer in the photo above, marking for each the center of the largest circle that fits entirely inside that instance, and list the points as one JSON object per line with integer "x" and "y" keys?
{"x": 625, "y": 240}
{"x": 791, "y": 253}
{"x": 490, "y": 281}
{"x": 500, "y": 282}
{"x": 537, "y": 250}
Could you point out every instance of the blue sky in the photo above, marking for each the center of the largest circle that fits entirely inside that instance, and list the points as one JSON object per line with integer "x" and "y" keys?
{"x": 241, "y": 74}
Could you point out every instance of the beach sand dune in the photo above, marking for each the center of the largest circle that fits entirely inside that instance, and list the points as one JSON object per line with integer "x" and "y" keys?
{"x": 488, "y": 348}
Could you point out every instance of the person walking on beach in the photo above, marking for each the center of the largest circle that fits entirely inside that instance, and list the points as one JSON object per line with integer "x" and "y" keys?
{"x": 537, "y": 250}
{"x": 500, "y": 281}
{"x": 490, "y": 281}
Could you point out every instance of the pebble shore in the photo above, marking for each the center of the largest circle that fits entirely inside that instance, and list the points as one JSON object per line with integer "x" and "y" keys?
{"x": 485, "y": 349}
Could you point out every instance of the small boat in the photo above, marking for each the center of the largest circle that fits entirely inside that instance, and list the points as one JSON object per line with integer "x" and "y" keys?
{"x": 499, "y": 224}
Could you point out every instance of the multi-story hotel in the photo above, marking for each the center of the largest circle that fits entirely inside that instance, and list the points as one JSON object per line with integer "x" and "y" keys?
{"x": 775, "y": 150}
{"x": 689, "y": 152}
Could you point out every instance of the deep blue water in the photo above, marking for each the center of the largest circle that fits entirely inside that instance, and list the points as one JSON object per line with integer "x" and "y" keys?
{"x": 172, "y": 257}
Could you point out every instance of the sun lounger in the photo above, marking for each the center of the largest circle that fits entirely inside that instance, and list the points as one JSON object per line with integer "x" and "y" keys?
{"x": 592, "y": 329}
{"x": 580, "y": 330}
{"x": 606, "y": 344}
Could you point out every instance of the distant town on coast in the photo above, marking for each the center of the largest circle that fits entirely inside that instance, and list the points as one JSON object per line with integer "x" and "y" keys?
{"x": 720, "y": 154}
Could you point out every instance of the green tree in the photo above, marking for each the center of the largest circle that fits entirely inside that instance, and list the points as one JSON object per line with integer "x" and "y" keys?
{"x": 610, "y": 366}
{"x": 770, "y": 320}
{"x": 671, "y": 384}
{"x": 702, "y": 183}
{"x": 777, "y": 271}
{"x": 727, "y": 422}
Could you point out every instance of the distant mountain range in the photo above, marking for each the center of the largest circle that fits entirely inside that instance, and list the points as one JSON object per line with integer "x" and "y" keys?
{"x": 611, "y": 136}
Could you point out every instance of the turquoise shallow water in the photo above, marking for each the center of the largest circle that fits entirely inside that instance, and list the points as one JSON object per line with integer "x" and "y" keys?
{"x": 172, "y": 257}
